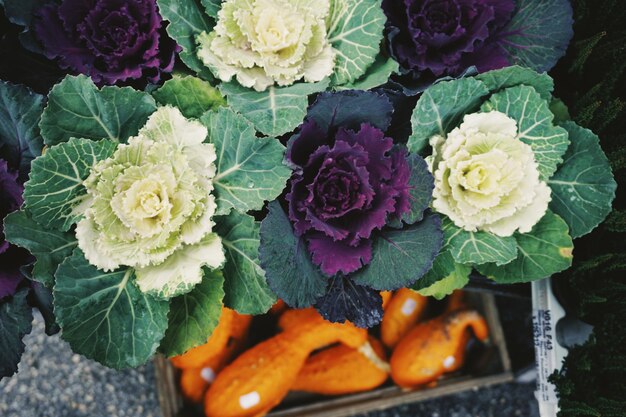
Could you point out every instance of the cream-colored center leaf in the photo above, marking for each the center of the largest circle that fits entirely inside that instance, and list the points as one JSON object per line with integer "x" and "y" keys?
{"x": 486, "y": 178}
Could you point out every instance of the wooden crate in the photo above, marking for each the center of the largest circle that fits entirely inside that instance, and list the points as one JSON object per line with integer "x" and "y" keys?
{"x": 491, "y": 365}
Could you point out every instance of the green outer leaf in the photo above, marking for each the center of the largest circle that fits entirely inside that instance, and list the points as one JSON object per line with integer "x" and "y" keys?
{"x": 534, "y": 123}
{"x": 512, "y": 76}
{"x": 194, "y": 316}
{"x": 250, "y": 170}
{"x": 546, "y": 250}
{"x": 20, "y": 111}
{"x": 401, "y": 257}
{"x": 541, "y": 31}
{"x": 287, "y": 263}
{"x": 355, "y": 30}
{"x": 187, "y": 20}
{"x": 442, "y": 107}
{"x": 22, "y": 13}
{"x": 16, "y": 318}
{"x": 457, "y": 279}
{"x": 191, "y": 95}
{"x": 212, "y": 7}
{"x": 246, "y": 289}
{"x": 421, "y": 183}
{"x": 77, "y": 108}
{"x": 583, "y": 188}
{"x": 275, "y": 111}
{"x": 104, "y": 316}
{"x": 56, "y": 187}
{"x": 479, "y": 247}
{"x": 50, "y": 247}
{"x": 377, "y": 74}
{"x": 443, "y": 266}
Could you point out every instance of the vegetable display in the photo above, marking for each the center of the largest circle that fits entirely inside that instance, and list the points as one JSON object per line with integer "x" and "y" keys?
{"x": 514, "y": 181}
{"x": 200, "y": 162}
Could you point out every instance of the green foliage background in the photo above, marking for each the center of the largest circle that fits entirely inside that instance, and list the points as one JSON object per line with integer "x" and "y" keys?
{"x": 591, "y": 80}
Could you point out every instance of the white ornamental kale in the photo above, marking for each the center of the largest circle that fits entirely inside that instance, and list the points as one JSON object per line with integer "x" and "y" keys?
{"x": 487, "y": 179}
{"x": 150, "y": 206}
{"x": 267, "y": 42}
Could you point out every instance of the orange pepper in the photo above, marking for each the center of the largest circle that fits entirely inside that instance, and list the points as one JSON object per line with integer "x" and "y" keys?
{"x": 386, "y": 295}
{"x": 195, "y": 381}
{"x": 435, "y": 347}
{"x": 456, "y": 301}
{"x": 405, "y": 308}
{"x": 196, "y": 357}
{"x": 278, "y": 308}
{"x": 260, "y": 378}
{"x": 343, "y": 370}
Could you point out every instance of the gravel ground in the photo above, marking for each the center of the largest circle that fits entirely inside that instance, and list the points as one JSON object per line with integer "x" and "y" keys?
{"x": 53, "y": 382}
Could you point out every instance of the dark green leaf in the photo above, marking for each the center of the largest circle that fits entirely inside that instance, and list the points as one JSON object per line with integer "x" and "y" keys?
{"x": 355, "y": 30}
{"x": 401, "y": 257}
{"x": 22, "y": 13}
{"x": 540, "y": 33}
{"x": 442, "y": 107}
{"x": 250, "y": 170}
{"x": 504, "y": 78}
{"x": 20, "y": 140}
{"x": 286, "y": 261}
{"x": 421, "y": 185}
{"x": 346, "y": 300}
{"x": 194, "y": 316}
{"x": 16, "y": 319}
{"x": 187, "y": 20}
{"x": 56, "y": 187}
{"x": 104, "y": 316}
{"x": 546, "y": 250}
{"x": 77, "y": 108}
{"x": 191, "y": 95}
{"x": 50, "y": 247}
{"x": 377, "y": 74}
{"x": 275, "y": 111}
{"x": 478, "y": 248}
{"x": 212, "y": 7}
{"x": 583, "y": 188}
{"x": 246, "y": 288}
{"x": 534, "y": 123}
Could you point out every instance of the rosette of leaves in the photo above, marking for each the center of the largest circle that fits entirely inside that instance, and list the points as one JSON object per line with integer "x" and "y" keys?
{"x": 286, "y": 49}
{"x": 136, "y": 215}
{"x": 510, "y": 230}
{"x": 20, "y": 143}
{"x": 432, "y": 39}
{"x": 354, "y": 221}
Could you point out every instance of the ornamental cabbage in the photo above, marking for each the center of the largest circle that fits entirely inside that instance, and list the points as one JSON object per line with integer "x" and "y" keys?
{"x": 486, "y": 178}
{"x": 112, "y": 41}
{"x": 446, "y": 37}
{"x": 267, "y": 42}
{"x": 347, "y": 185}
{"x": 150, "y": 206}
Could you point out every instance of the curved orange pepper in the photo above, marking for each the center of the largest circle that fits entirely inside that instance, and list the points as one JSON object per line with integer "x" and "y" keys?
{"x": 278, "y": 308}
{"x": 386, "y": 295}
{"x": 261, "y": 377}
{"x": 344, "y": 370}
{"x": 196, "y": 357}
{"x": 403, "y": 311}
{"x": 456, "y": 301}
{"x": 435, "y": 347}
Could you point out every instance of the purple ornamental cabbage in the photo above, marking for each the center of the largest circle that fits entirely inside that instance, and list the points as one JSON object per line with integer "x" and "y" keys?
{"x": 112, "y": 41}
{"x": 445, "y": 37}
{"x": 11, "y": 257}
{"x": 348, "y": 184}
